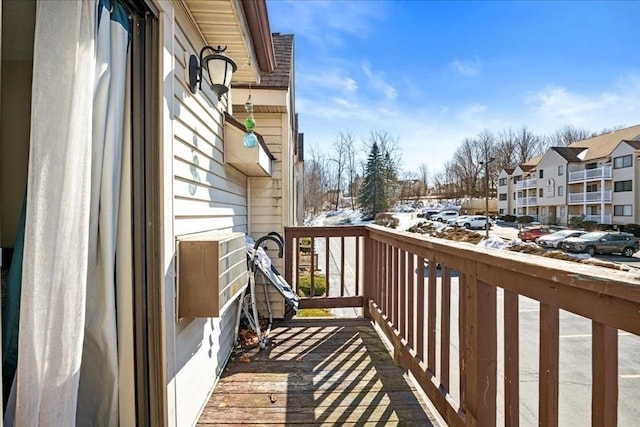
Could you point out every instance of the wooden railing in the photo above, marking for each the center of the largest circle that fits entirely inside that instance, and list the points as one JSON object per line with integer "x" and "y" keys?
{"x": 443, "y": 321}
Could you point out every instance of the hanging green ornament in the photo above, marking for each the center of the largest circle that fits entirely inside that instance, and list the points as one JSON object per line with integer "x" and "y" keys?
{"x": 250, "y": 123}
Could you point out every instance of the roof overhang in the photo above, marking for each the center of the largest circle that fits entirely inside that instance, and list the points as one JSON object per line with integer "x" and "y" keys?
{"x": 242, "y": 26}
{"x": 264, "y": 100}
{"x": 256, "y": 161}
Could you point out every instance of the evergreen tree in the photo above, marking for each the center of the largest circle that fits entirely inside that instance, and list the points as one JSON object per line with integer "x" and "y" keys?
{"x": 375, "y": 190}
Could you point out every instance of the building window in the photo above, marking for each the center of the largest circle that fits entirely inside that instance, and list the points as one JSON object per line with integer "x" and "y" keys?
{"x": 560, "y": 170}
{"x": 590, "y": 166}
{"x": 514, "y": 195}
{"x": 620, "y": 186}
{"x": 503, "y": 196}
{"x": 502, "y": 181}
{"x": 592, "y": 210}
{"x": 622, "y": 162}
{"x": 517, "y": 179}
{"x": 561, "y": 211}
{"x": 622, "y": 210}
{"x": 514, "y": 211}
{"x": 560, "y": 190}
{"x": 592, "y": 188}
{"x": 501, "y": 211}
{"x": 541, "y": 192}
{"x": 541, "y": 173}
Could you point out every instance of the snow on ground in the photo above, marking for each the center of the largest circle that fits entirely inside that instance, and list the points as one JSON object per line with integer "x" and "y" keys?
{"x": 347, "y": 216}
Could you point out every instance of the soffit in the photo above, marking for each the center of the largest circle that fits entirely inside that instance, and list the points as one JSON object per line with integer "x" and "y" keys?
{"x": 222, "y": 22}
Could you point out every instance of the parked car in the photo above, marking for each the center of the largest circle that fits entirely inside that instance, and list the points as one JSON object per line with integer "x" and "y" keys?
{"x": 532, "y": 233}
{"x": 426, "y": 213}
{"x": 605, "y": 242}
{"x": 443, "y": 216}
{"x": 554, "y": 240}
{"x": 454, "y": 220}
{"x": 475, "y": 221}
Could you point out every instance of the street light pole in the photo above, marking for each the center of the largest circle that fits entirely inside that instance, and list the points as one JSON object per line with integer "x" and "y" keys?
{"x": 486, "y": 195}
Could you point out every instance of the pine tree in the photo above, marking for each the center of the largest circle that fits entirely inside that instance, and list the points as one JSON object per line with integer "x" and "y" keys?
{"x": 375, "y": 190}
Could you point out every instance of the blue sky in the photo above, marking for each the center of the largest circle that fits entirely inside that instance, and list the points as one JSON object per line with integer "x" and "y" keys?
{"x": 432, "y": 73}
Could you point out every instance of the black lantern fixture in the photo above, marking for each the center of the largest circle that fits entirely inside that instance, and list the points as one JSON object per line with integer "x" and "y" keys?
{"x": 219, "y": 67}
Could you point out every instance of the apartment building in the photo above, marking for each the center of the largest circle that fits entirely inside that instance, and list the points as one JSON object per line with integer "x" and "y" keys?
{"x": 593, "y": 178}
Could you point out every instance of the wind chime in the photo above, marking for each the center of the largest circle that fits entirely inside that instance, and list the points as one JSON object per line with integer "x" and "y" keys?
{"x": 250, "y": 139}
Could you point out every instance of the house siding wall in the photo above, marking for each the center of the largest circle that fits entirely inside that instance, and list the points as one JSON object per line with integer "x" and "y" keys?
{"x": 201, "y": 193}
{"x": 267, "y": 194}
{"x": 504, "y": 206}
{"x": 550, "y": 204}
{"x": 625, "y": 174}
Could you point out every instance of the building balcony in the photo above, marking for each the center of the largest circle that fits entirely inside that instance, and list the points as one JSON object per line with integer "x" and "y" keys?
{"x": 591, "y": 197}
{"x": 527, "y": 183}
{"x": 526, "y": 201}
{"x": 590, "y": 175}
{"x": 470, "y": 324}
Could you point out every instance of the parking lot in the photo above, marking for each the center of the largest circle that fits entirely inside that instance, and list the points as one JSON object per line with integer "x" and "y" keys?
{"x": 509, "y": 231}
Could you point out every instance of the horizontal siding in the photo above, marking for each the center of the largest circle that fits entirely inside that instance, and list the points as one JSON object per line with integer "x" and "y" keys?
{"x": 207, "y": 195}
{"x": 203, "y": 346}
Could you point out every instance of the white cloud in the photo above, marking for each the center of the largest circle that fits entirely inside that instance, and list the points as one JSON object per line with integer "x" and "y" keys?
{"x": 466, "y": 68}
{"x": 333, "y": 80}
{"x": 557, "y": 106}
{"x": 431, "y": 133}
{"x": 378, "y": 81}
{"x": 326, "y": 22}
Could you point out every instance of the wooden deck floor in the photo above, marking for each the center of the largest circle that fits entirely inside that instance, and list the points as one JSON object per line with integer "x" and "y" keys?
{"x": 317, "y": 372}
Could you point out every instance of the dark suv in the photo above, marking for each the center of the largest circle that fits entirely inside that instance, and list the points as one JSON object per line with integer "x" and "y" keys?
{"x": 605, "y": 242}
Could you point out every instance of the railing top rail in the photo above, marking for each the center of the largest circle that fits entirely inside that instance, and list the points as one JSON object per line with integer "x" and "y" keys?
{"x": 331, "y": 231}
{"x": 624, "y": 285}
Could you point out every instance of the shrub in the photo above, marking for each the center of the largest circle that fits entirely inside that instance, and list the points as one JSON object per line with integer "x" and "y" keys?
{"x": 387, "y": 220}
{"x": 590, "y": 225}
{"x": 525, "y": 219}
{"x": 580, "y": 223}
{"x": 576, "y": 222}
{"x": 319, "y": 285}
{"x": 509, "y": 218}
{"x": 632, "y": 228}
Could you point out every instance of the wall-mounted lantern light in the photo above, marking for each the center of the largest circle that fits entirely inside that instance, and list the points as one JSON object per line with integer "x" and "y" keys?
{"x": 219, "y": 67}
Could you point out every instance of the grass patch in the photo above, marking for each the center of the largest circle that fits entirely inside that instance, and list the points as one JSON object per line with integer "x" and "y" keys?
{"x": 314, "y": 312}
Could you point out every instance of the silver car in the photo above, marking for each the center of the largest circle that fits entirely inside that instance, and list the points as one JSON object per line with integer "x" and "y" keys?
{"x": 554, "y": 240}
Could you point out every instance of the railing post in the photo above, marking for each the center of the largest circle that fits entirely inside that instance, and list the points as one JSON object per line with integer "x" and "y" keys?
{"x": 549, "y": 364}
{"x": 480, "y": 349}
{"x": 288, "y": 255}
{"x": 604, "y": 368}
{"x": 368, "y": 274}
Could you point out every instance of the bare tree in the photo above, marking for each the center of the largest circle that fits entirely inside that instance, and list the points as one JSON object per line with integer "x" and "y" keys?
{"x": 423, "y": 176}
{"x": 349, "y": 150}
{"x": 466, "y": 165}
{"x": 316, "y": 182}
{"x": 506, "y": 149}
{"x": 567, "y": 135}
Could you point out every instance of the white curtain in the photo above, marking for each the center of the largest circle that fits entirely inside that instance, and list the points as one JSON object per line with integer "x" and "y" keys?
{"x": 57, "y": 220}
{"x": 98, "y": 392}
{"x": 68, "y": 363}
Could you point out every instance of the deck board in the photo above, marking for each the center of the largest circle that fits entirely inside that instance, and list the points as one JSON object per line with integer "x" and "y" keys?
{"x": 316, "y": 372}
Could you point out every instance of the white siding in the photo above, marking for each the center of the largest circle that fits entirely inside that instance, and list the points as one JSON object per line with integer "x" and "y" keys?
{"x": 626, "y": 174}
{"x": 267, "y": 194}
{"x": 201, "y": 193}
